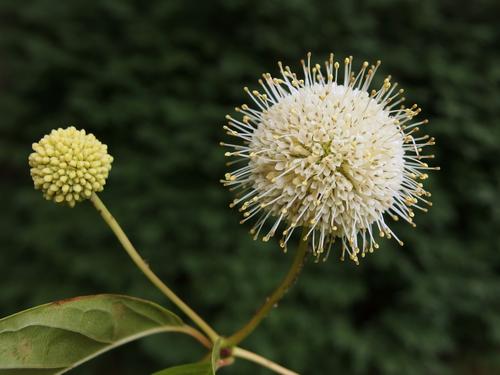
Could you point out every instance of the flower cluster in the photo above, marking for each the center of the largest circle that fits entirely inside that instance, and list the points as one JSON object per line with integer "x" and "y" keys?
{"x": 69, "y": 165}
{"x": 326, "y": 153}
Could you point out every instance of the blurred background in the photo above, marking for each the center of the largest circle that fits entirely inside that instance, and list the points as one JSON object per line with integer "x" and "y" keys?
{"x": 154, "y": 79}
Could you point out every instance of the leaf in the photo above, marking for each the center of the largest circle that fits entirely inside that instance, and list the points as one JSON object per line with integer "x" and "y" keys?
{"x": 215, "y": 355}
{"x": 54, "y": 338}
{"x": 201, "y": 368}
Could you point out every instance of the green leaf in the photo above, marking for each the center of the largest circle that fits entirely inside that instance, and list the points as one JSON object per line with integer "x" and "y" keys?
{"x": 54, "y": 338}
{"x": 201, "y": 368}
{"x": 215, "y": 355}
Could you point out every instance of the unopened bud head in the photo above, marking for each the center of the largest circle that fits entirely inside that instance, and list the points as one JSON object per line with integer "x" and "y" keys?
{"x": 68, "y": 165}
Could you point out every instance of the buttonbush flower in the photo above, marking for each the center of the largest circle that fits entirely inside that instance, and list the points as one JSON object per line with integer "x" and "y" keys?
{"x": 68, "y": 165}
{"x": 325, "y": 152}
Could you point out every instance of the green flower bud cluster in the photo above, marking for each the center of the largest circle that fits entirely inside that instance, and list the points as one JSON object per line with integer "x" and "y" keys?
{"x": 68, "y": 165}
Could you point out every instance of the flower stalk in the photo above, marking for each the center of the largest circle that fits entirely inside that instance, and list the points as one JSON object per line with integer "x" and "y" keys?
{"x": 143, "y": 266}
{"x": 279, "y": 292}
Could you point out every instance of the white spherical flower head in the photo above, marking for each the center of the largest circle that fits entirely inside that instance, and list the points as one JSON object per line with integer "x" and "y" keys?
{"x": 326, "y": 153}
{"x": 68, "y": 165}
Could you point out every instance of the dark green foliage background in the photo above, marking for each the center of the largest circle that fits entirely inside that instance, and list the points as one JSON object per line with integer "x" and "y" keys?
{"x": 154, "y": 79}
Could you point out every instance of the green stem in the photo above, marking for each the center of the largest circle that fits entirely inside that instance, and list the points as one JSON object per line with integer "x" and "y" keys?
{"x": 254, "y": 357}
{"x": 142, "y": 265}
{"x": 273, "y": 299}
{"x": 200, "y": 337}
